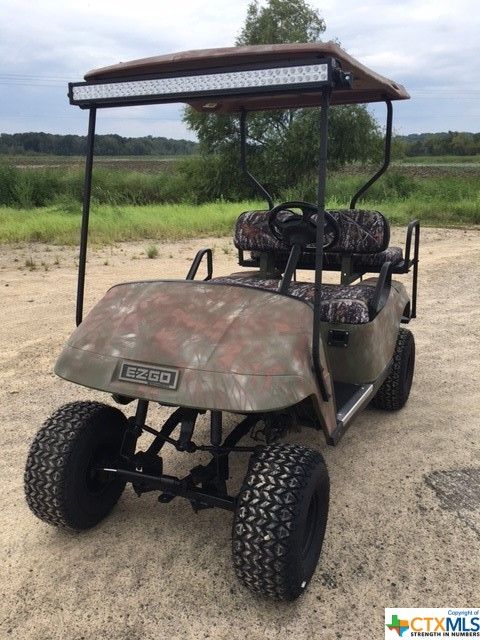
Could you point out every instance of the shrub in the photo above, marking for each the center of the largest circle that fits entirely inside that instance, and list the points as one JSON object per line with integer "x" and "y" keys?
{"x": 152, "y": 251}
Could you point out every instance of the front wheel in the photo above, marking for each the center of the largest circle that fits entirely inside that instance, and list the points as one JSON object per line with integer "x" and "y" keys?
{"x": 280, "y": 520}
{"x": 62, "y": 484}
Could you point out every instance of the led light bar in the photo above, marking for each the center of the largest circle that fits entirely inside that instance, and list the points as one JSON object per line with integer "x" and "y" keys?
{"x": 212, "y": 84}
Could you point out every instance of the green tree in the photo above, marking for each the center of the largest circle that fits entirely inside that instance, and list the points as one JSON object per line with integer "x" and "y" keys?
{"x": 463, "y": 144}
{"x": 282, "y": 145}
{"x": 281, "y": 21}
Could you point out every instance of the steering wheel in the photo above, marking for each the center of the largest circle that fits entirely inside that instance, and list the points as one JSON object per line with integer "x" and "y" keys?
{"x": 285, "y": 228}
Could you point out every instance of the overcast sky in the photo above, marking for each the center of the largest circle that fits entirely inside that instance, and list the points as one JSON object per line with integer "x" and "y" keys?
{"x": 430, "y": 46}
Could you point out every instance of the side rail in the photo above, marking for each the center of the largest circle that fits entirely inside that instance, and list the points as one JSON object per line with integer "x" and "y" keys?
{"x": 192, "y": 272}
{"x": 413, "y": 229}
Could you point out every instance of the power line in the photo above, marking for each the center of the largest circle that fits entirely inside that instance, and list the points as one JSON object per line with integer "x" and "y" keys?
{"x": 41, "y": 116}
{"x": 30, "y": 79}
{"x": 31, "y": 75}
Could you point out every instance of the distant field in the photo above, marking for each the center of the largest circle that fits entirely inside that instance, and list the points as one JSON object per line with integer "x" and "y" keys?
{"x": 433, "y": 160}
{"x": 427, "y": 165}
{"x": 144, "y": 164}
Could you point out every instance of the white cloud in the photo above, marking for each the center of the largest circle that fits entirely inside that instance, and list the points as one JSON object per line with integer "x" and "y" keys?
{"x": 430, "y": 46}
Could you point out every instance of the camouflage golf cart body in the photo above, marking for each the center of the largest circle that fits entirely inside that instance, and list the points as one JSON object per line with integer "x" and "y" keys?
{"x": 278, "y": 351}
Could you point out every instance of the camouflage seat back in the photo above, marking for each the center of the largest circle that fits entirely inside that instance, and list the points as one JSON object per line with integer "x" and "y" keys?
{"x": 252, "y": 233}
{"x": 361, "y": 231}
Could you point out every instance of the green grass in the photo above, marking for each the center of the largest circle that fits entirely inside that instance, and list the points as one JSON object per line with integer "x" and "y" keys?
{"x": 432, "y": 213}
{"x": 51, "y": 185}
{"x": 110, "y": 224}
{"x": 44, "y": 204}
{"x": 193, "y": 182}
{"x": 170, "y": 222}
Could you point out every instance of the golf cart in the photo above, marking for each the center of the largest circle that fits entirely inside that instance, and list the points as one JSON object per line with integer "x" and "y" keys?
{"x": 278, "y": 352}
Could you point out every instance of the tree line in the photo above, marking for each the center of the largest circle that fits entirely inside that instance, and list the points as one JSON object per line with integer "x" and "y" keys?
{"x": 105, "y": 145}
{"x": 449, "y": 143}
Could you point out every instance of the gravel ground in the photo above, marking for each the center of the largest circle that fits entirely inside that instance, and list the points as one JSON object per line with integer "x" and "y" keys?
{"x": 404, "y": 527}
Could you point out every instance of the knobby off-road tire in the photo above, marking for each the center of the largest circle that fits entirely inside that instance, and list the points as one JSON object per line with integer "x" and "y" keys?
{"x": 280, "y": 520}
{"x": 61, "y": 485}
{"x": 394, "y": 392}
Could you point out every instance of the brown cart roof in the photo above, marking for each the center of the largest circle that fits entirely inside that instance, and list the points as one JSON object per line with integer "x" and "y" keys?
{"x": 368, "y": 86}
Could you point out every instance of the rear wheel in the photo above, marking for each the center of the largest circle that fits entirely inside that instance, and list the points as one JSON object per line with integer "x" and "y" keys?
{"x": 62, "y": 485}
{"x": 280, "y": 520}
{"x": 394, "y": 392}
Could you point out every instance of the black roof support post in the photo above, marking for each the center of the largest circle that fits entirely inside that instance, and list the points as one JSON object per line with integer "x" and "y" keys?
{"x": 243, "y": 161}
{"x": 322, "y": 179}
{"x": 87, "y": 190}
{"x": 386, "y": 158}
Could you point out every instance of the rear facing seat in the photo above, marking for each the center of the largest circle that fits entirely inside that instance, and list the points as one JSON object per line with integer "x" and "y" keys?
{"x": 349, "y": 304}
{"x": 361, "y": 261}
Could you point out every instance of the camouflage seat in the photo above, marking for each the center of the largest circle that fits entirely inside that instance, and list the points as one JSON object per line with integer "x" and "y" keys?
{"x": 339, "y": 303}
{"x": 364, "y": 235}
{"x": 361, "y": 261}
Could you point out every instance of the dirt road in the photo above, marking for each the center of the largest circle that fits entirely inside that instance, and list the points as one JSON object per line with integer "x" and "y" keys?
{"x": 404, "y": 526}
